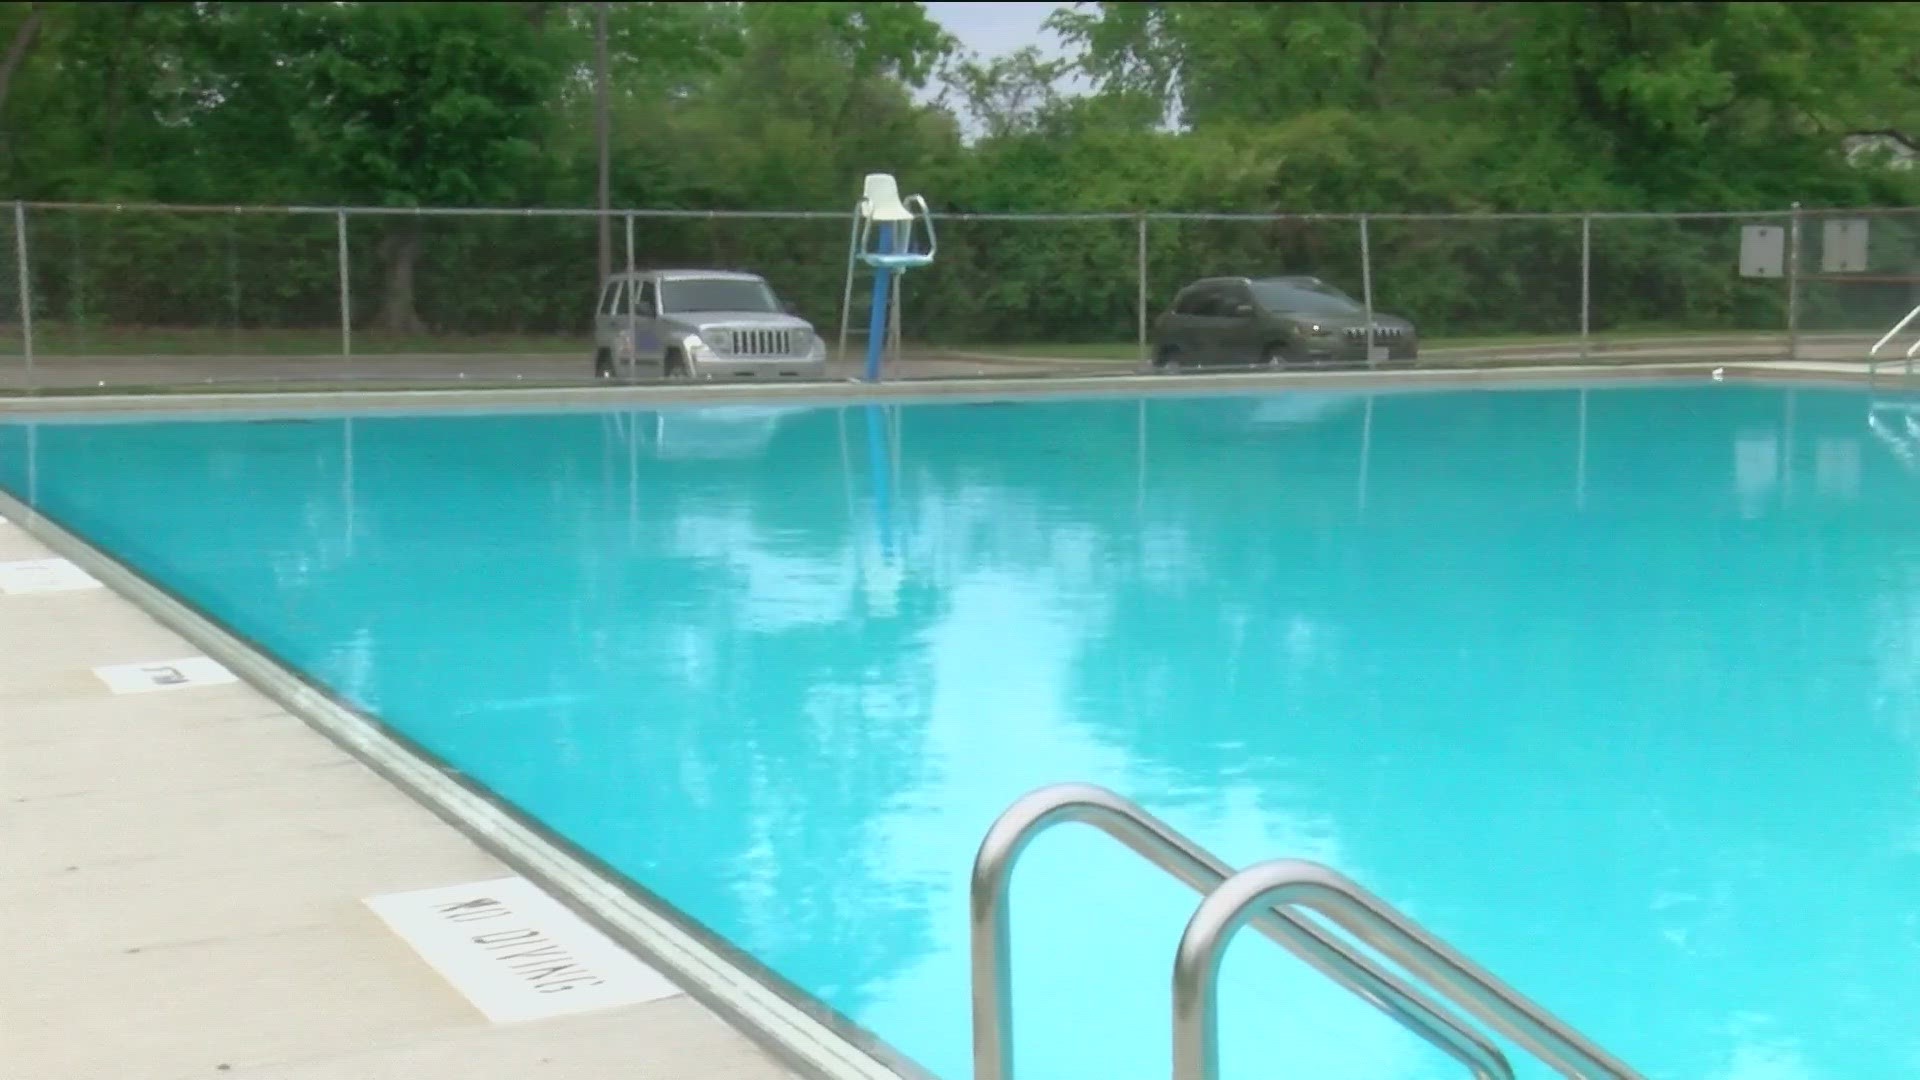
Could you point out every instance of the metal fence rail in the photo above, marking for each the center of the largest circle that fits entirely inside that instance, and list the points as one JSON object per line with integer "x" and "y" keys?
{"x": 136, "y": 295}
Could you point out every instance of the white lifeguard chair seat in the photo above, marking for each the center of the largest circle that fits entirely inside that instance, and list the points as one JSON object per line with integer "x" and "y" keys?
{"x": 880, "y": 200}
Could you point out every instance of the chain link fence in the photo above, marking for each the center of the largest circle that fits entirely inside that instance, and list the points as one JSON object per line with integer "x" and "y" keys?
{"x": 14, "y": 349}
{"x": 132, "y": 298}
{"x": 1858, "y": 272}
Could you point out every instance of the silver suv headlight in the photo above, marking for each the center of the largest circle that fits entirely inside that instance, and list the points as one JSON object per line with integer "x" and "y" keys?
{"x": 697, "y": 348}
{"x": 817, "y": 352}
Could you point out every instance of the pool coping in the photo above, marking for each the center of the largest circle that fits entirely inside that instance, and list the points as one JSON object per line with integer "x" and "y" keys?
{"x": 954, "y": 389}
{"x": 797, "y": 1029}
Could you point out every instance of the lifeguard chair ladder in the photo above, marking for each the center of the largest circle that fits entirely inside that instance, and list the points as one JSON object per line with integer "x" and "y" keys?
{"x": 885, "y": 241}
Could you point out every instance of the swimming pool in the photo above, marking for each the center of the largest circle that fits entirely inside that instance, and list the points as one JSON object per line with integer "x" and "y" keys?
{"x": 1614, "y": 688}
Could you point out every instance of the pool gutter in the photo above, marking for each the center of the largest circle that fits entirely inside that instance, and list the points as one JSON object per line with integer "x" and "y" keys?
{"x": 800, "y": 1033}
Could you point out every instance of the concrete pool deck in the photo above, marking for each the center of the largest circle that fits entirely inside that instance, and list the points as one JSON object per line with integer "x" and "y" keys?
{"x": 372, "y": 399}
{"x": 185, "y": 871}
{"x": 138, "y": 372}
{"x": 184, "y": 882}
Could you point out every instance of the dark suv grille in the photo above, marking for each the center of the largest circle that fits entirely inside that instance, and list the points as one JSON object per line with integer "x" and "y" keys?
{"x": 760, "y": 342}
{"x": 1380, "y": 333}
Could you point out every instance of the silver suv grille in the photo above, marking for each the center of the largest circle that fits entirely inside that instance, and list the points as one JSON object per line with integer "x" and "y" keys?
{"x": 760, "y": 342}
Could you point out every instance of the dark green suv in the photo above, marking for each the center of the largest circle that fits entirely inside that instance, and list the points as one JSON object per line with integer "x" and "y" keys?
{"x": 1277, "y": 321}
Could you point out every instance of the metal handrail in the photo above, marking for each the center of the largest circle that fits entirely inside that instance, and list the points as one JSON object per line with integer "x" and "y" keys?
{"x": 926, "y": 218}
{"x": 1257, "y": 890}
{"x": 1873, "y": 354}
{"x": 1159, "y": 844}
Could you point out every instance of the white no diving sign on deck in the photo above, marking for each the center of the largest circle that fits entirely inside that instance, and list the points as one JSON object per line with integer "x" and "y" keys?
{"x": 516, "y": 953}
{"x": 43, "y": 576}
{"x": 164, "y": 675}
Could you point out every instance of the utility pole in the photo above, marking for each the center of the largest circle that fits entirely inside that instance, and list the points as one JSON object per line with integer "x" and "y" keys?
{"x": 603, "y": 135}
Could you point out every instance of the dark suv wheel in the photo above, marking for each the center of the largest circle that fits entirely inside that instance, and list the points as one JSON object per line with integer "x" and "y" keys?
{"x": 1281, "y": 354}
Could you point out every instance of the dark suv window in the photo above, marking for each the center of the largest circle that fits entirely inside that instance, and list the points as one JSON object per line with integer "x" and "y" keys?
{"x": 1198, "y": 300}
{"x": 1229, "y": 298}
{"x": 1306, "y": 299}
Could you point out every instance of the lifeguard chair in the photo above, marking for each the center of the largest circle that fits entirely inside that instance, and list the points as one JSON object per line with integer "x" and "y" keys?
{"x": 885, "y": 241}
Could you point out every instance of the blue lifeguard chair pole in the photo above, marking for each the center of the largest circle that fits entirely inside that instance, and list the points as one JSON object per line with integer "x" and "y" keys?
{"x": 884, "y": 240}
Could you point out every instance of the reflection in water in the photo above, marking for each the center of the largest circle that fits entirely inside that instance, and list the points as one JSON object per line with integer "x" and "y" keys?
{"x": 1585, "y": 678}
{"x": 1894, "y": 424}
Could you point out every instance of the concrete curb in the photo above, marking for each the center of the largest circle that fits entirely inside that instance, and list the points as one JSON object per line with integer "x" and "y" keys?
{"x": 997, "y": 388}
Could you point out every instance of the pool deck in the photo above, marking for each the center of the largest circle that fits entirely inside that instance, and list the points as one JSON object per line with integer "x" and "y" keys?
{"x": 183, "y": 884}
{"x": 185, "y": 871}
{"x": 981, "y": 387}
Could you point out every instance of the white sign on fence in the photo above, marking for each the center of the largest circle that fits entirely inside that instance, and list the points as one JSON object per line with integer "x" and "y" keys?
{"x": 1763, "y": 251}
{"x": 1843, "y": 246}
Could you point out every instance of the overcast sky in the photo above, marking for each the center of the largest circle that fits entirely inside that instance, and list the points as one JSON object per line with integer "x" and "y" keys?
{"x": 994, "y": 29}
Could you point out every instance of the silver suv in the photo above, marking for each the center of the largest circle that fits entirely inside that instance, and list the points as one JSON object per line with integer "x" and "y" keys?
{"x": 701, "y": 324}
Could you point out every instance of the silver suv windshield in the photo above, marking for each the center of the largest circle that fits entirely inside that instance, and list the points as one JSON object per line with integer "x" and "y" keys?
{"x": 716, "y": 294}
{"x": 1285, "y": 296}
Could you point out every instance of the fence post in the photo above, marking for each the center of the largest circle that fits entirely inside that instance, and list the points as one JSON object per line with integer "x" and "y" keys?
{"x": 1586, "y": 290}
{"x": 233, "y": 282}
{"x": 346, "y": 288}
{"x": 633, "y": 366}
{"x": 1366, "y": 283}
{"x": 1140, "y": 280}
{"x": 1793, "y": 284}
{"x": 26, "y": 289}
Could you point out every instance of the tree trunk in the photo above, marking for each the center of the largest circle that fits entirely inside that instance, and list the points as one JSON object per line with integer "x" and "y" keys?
{"x": 23, "y": 39}
{"x": 110, "y": 94}
{"x": 400, "y": 250}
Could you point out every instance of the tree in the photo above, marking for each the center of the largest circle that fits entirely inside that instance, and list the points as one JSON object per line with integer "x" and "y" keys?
{"x": 1718, "y": 104}
{"x": 1007, "y": 95}
{"x": 25, "y": 32}
{"x": 408, "y": 105}
{"x": 819, "y": 95}
{"x": 1213, "y": 62}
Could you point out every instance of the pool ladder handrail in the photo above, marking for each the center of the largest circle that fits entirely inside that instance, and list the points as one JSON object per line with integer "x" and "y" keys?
{"x": 1873, "y": 354}
{"x": 1262, "y": 895}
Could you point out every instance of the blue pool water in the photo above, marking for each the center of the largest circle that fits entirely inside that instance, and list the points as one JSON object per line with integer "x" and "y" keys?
{"x": 1616, "y": 689}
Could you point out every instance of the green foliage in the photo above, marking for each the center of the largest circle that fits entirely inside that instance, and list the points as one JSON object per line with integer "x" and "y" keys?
{"x": 1215, "y": 62}
{"x": 1298, "y": 108}
{"x": 409, "y": 104}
